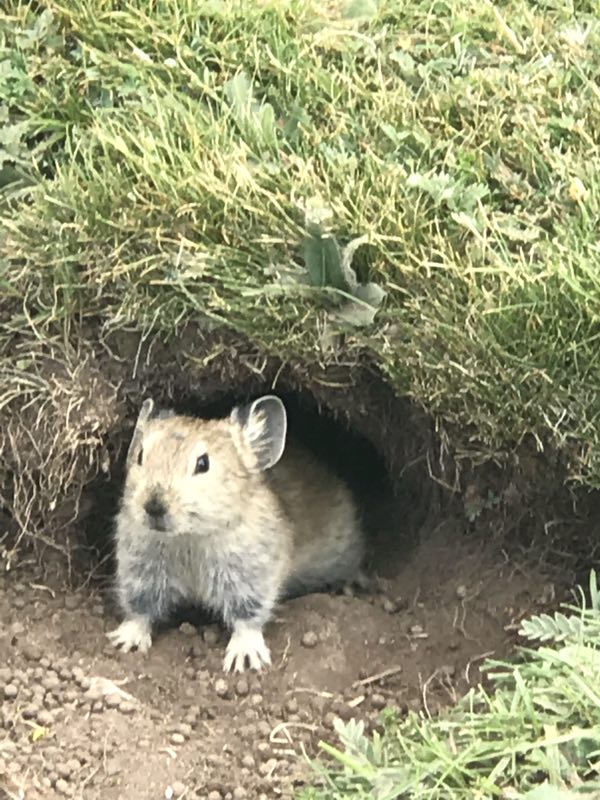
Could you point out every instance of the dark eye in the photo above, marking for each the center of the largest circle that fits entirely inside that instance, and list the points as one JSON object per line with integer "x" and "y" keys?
{"x": 202, "y": 464}
{"x": 140, "y": 457}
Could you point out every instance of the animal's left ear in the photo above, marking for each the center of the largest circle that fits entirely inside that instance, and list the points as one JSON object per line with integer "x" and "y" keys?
{"x": 259, "y": 430}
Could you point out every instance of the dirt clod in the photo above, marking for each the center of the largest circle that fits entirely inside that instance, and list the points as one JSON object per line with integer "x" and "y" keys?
{"x": 389, "y": 606}
{"x": 187, "y": 629}
{"x": 32, "y": 652}
{"x": 45, "y": 718}
{"x": 210, "y": 636}
{"x": 62, "y": 787}
{"x": 310, "y": 639}
{"x": 177, "y": 693}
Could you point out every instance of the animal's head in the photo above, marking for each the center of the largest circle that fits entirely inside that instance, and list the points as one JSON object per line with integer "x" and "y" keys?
{"x": 186, "y": 474}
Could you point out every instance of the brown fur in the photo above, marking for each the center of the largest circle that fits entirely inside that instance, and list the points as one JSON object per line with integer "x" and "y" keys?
{"x": 255, "y": 527}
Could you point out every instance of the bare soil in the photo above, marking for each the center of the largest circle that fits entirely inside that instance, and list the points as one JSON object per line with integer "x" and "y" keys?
{"x": 82, "y": 720}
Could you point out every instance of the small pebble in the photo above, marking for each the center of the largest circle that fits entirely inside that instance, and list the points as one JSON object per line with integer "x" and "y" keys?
{"x": 177, "y": 738}
{"x": 256, "y": 700}
{"x": 62, "y": 787}
{"x": 64, "y": 770}
{"x": 343, "y": 710}
{"x": 248, "y": 761}
{"x": 268, "y": 767}
{"x": 263, "y": 749}
{"x": 214, "y": 795}
{"x": 5, "y": 675}
{"x": 263, "y": 729}
{"x": 310, "y": 639}
{"x": 17, "y": 628}
{"x": 74, "y": 765}
{"x": 221, "y": 687}
{"x": 45, "y": 718}
{"x": 241, "y": 687}
{"x": 31, "y": 711}
{"x": 291, "y": 705}
{"x": 72, "y": 601}
{"x": 239, "y": 793}
{"x": 31, "y": 651}
{"x": 187, "y": 629}
{"x": 10, "y": 691}
{"x": 378, "y": 701}
{"x": 389, "y": 606}
{"x": 190, "y": 673}
{"x": 210, "y": 636}
{"x": 126, "y": 707}
{"x": 329, "y": 720}
{"x": 77, "y": 674}
{"x": 461, "y": 592}
{"x": 51, "y": 680}
{"x": 178, "y": 788}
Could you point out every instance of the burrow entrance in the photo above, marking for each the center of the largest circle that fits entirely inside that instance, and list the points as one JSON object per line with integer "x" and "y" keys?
{"x": 459, "y": 572}
{"x": 393, "y": 509}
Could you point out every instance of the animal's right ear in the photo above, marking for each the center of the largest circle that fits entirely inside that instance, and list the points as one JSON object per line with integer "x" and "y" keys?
{"x": 138, "y": 433}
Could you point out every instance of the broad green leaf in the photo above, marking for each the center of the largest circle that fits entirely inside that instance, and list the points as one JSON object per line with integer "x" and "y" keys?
{"x": 323, "y": 260}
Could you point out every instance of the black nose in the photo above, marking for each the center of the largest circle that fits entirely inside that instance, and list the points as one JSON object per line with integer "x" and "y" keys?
{"x": 155, "y": 508}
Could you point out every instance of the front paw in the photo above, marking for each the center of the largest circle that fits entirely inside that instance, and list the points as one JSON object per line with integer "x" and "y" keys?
{"x": 132, "y": 634}
{"x": 246, "y": 643}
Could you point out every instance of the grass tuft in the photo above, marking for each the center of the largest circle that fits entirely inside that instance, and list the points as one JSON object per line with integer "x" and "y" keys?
{"x": 535, "y": 733}
{"x": 163, "y": 162}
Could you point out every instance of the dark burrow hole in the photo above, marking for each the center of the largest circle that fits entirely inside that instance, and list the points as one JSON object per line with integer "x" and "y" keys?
{"x": 392, "y": 511}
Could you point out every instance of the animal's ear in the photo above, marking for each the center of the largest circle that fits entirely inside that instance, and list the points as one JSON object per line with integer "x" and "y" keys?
{"x": 259, "y": 430}
{"x": 138, "y": 433}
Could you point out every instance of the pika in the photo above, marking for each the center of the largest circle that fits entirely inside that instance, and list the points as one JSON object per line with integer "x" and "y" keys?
{"x": 229, "y": 515}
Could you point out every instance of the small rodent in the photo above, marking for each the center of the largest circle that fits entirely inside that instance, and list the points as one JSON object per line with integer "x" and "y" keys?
{"x": 228, "y": 515}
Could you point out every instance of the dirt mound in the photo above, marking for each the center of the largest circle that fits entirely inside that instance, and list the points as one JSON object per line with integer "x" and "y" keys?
{"x": 80, "y": 719}
{"x": 455, "y": 550}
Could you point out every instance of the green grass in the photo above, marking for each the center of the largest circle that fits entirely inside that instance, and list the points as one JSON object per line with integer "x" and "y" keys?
{"x": 165, "y": 162}
{"x": 535, "y": 735}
